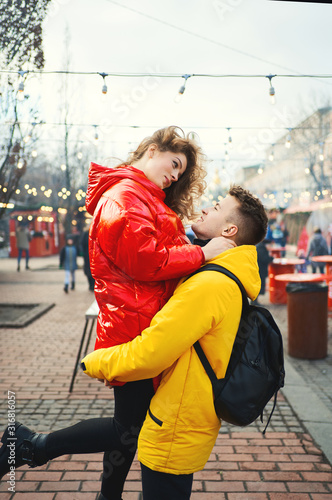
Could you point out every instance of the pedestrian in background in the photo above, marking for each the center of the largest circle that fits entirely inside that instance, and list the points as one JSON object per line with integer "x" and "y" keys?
{"x": 85, "y": 253}
{"x": 23, "y": 238}
{"x": 68, "y": 261}
{"x": 263, "y": 260}
{"x": 317, "y": 246}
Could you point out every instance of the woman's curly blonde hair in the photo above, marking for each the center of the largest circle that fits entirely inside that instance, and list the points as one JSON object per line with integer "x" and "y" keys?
{"x": 182, "y": 195}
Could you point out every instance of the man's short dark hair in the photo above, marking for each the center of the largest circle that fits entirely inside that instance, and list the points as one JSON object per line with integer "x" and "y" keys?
{"x": 250, "y": 217}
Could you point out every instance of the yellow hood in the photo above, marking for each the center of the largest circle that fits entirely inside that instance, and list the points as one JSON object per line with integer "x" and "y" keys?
{"x": 242, "y": 261}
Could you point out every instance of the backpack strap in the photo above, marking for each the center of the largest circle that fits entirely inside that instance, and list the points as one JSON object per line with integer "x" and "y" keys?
{"x": 245, "y": 305}
{"x": 223, "y": 270}
{"x": 205, "y": 362}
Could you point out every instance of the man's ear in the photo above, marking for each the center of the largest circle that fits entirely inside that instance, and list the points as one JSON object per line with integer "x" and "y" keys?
{"x": 230, "y": 231}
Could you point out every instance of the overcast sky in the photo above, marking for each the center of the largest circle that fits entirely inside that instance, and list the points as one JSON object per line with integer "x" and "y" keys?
{"x": 242, "y": 37}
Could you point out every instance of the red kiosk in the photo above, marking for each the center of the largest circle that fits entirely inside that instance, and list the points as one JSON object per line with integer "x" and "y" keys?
{"x": 46, "y": 236}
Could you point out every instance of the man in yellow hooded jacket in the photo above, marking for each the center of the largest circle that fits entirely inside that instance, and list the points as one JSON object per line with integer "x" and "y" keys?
{"x": 181, "y": 425}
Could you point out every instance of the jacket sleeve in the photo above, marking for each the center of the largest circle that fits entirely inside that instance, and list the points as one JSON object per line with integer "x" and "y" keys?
{"x": 190, "y": 313}
{"x": 130, "y": 239}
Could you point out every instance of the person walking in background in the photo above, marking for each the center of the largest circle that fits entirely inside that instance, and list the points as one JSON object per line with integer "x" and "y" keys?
{"x": 68, "y": 261}
{"x": 86, "y": 258}
{"x": 23, "y": 238}
{"x": 263, "y": 260}
{"x": 317, "y": 246}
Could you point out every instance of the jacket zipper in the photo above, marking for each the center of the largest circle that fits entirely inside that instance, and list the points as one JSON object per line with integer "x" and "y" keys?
{"x": 155, "y": 419}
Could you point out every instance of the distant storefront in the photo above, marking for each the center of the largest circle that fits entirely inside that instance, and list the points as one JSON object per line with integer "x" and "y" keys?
{"x": 47, "y": 235}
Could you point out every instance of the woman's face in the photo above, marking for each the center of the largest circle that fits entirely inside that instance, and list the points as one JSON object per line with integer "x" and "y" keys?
{"x": 164, "y": 168}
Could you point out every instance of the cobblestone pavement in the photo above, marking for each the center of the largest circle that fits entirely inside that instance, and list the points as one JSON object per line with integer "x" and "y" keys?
{"x": 37, "y": 363}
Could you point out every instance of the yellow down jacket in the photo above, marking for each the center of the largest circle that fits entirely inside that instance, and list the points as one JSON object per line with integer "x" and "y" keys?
{"x": 181, "y": 425}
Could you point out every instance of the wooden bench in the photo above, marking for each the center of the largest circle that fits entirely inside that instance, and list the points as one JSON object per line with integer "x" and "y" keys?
{"x": 91, "y": 315}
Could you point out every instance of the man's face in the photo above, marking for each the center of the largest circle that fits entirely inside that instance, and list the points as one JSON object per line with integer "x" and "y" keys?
{"x": 216, "y": 220}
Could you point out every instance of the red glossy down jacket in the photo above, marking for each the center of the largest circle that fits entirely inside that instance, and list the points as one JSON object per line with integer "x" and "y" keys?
{"x": 138, "y": 251}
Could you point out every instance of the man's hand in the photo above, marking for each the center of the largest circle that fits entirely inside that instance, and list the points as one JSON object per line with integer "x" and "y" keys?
{"x": 105, "y": 382}
{"x": 216, "y": 246}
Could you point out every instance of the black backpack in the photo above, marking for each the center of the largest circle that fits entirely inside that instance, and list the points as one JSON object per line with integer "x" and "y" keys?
{"x": 255, "y": 372}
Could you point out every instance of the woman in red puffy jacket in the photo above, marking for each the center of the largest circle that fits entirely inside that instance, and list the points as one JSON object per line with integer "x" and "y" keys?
{"x": 138, "y": 251}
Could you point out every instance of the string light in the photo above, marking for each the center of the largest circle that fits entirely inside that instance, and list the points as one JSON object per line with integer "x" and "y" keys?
{"x": 20, "y": 89}
{"x": 96, "y": 137}
{"x": 271, "y": 155}
{"x": 288, "y": 139}
{"x": 230, "y": 142}
{"x": 271, "y": 90}
{"x": 161, "y": 75}
{"x": 321, "y": 154}
{"x": 179, "y": 95}
{"x": 104, "y": 87}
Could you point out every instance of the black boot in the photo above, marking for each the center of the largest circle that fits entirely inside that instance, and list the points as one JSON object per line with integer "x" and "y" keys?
{"x": 65, "y": 288}
{"x": 73, "y": 285}
{"x": 21, "y": 446}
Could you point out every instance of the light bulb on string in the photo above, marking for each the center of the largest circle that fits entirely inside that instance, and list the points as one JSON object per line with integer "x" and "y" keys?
{"x": 271, "y": 155}
{"x": 20, "y": 89}
{"x": 271, "y": 90}
{"x": 20, "y": 92}
{"x": 104, "y": 87}
{"x": 96, "y": 136}
{"x": 226, "y": 152}
{"x": 288, "y": 139}
{"x": 321, "y": 153}
{"x": 180, "y": 93}
{"x": 230, "y": 142}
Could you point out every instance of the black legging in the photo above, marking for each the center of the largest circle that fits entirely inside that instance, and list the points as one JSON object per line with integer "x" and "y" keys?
{"x": 118, "y": 435}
